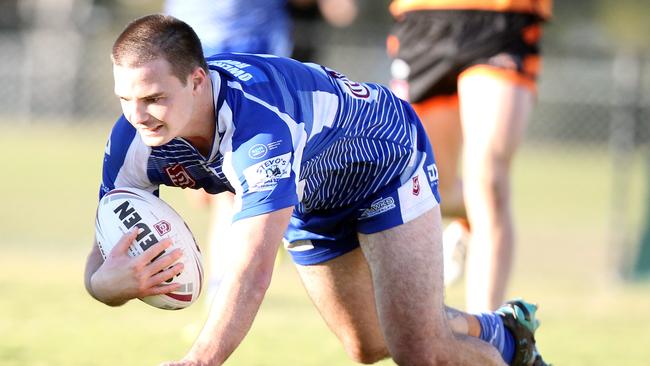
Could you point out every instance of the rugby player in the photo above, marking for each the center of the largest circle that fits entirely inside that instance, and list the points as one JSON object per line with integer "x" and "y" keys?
{"x": 341, "y": 172}
{"x": 469, "y": 67}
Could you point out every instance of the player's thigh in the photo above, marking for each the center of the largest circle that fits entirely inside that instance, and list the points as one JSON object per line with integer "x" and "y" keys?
{"x": 441, "y": 119}
{"x": 342, "y": 290}
{"x": 494, "y": 110}
{"x": 497, "y": 90}
{"x": 406, "y": 266}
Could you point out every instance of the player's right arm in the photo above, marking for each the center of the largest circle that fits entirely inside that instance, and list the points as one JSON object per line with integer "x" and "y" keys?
{"x": 249, "y": 268}
{"x": 120, "y": 277}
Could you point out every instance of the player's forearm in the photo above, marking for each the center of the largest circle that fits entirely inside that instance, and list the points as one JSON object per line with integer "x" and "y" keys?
{"x": 110, "y": 300}
{"x": 93, "y": 263}
{"x": 232, "y": 314}
{"x": 242, "y": 290}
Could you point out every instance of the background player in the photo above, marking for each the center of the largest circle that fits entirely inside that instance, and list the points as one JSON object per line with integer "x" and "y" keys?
{"x": 342, "y": 170}
{"x": 469, "y": 68}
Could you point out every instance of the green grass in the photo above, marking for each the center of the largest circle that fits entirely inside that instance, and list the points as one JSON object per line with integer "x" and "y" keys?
{"x": 48, "y": 192}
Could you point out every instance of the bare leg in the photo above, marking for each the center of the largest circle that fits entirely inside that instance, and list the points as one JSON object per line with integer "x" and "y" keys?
{"x": 441, "y": 119}
{"x": 406, "y": 267}
{"x": 344, "y": 291}
{"x": 494, "y": 112}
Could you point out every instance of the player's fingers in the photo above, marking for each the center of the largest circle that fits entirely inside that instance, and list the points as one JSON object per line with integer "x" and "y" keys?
{"x": 125, "y": 242}
{"x": 165, "y": 275}
{"x": 164, "y": 261}
{"x": 155, "y": 250}
{"x": 162, "y": 289}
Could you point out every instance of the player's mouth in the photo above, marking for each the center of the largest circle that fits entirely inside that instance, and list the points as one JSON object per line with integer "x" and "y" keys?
{"x": 151, "y": 130}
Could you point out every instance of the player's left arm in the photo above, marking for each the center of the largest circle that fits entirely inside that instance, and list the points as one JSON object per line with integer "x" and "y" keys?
{"x": 243, "y": 288}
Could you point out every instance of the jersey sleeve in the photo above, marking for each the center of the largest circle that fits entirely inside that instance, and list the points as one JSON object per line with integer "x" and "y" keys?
{"x": 125, "y": 160}
{"x": 263, "y": 161}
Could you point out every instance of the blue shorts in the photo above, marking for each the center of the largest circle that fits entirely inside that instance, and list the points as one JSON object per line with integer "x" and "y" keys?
{"x": 318, "y": 236}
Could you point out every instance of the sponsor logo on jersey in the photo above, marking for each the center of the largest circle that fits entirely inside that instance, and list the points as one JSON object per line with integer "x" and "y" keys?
{"x": 162, "y": 227}
{"x": 416, "y": 185}
{"x": 378, "y": 207}
{"x": 264, "y": 175}
{"x": 235, "y": 68}
{"x": 274, "y": 144}
{"x": 257, "y": 151}
{"x": 179, "y": 176}
{"x": 432, "y": 173}
{"x": 356, "y": 90}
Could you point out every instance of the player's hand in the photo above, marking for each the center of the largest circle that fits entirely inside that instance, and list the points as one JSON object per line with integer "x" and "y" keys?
{"x": 122, "y": 277}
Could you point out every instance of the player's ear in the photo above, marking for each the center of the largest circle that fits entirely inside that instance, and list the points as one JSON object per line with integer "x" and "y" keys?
{"x": 198, "y": 78}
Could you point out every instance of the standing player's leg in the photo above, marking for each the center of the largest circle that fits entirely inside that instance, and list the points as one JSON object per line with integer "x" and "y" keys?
{"x": 494, "y": 111}
{"x": 440, "y": 116}
{"x": 219, "y": 243}
{"x": 441, "y": 119}
{"x": 221, "y": 207}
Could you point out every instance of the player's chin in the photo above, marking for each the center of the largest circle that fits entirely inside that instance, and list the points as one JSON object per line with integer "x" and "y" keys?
{"x": 154, "y": 140}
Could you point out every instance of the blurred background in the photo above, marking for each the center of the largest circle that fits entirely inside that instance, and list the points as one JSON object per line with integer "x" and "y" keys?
{"x": 581, "y": 191}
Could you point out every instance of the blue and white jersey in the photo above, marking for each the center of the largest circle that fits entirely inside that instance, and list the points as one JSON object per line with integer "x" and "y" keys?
{"x": 253, "y": 26}
{"x": 287, "y": 134}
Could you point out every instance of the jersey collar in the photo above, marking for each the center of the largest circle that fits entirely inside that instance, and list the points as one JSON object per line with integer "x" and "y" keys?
{"x": 217, "y": 99}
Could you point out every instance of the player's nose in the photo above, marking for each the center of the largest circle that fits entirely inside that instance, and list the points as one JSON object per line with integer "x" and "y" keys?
{"x": 138, "y": 113}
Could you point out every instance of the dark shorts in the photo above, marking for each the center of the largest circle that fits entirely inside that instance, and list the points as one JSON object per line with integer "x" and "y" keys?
{"x": 431, "y": 48}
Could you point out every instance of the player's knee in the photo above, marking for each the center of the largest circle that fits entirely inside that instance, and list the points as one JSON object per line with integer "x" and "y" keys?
{"x": 494, "y": 185}
{"x": 421, "y": 360}
{"x": 436, "y": 355}
{"x": 365, "y": 353}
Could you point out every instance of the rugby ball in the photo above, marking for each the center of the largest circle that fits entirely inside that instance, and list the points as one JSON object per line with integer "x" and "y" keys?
{"x": 122, "y": 209}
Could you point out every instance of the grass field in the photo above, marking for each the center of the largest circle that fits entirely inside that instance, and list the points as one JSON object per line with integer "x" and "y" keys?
{"x": 48, "y": 193}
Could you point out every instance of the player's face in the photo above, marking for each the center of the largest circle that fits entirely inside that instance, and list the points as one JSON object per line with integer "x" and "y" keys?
{"x": 154, "y": 101}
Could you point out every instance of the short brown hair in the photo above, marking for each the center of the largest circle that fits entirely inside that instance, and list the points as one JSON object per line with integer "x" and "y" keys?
{"x": 160, "y": 36}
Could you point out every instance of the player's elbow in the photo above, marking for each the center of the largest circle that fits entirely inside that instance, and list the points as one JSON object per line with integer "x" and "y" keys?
{"x": 113, "y": 303}
{"x": 260, "y": 280}
{"x": 251, "y": 274}
{"x": 109, "y": 302}
{"x": 93, "y": 294}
